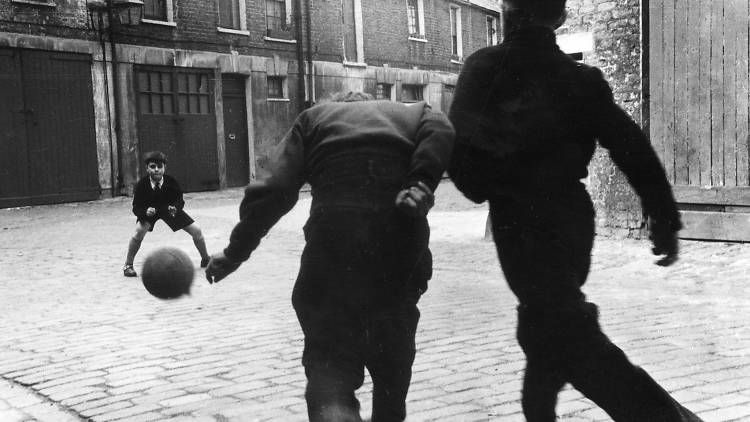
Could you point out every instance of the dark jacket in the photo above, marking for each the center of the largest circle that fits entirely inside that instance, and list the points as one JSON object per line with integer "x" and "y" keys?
{"x": 355, "y": 154}
{"x": 144, "y": 196}
{"x": 527, "y": 118}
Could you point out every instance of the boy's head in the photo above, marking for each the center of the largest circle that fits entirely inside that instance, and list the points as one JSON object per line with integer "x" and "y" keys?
{"x": 550, "y": 13}
{"x": 350, "y": 97}
{"x": 156, "y": 164}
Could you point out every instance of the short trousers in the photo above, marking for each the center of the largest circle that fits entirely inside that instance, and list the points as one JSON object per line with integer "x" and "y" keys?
{"x": 180, "y": 220}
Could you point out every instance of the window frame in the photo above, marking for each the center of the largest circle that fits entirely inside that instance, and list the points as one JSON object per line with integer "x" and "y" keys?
{"x": 381, "y": 93}
{"x": 418, "y": 20}
{"x": 456, "y": 31}
{"x": 241, "y": 18}
{"x": 416, "y": 89}
{"x": 283, "y": 95}
{"x": 491, "y": 27}
{"x": 168, "y": 18}
{"x": 276, "y": 33}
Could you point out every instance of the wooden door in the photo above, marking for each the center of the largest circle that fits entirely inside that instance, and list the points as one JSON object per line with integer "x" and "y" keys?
{"x": 698, "y": 111}
{"x": 235, "y": 130}
{"x": 48, "y": 136}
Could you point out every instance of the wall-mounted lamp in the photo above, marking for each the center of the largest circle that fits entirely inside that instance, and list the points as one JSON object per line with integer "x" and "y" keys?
{"x": 124, "y": 12}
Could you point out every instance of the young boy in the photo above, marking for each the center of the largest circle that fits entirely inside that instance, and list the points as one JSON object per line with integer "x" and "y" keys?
{"x": 158, "y": 196}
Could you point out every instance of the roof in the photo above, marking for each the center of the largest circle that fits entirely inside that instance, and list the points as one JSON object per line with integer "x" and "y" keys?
{"x": 493, "y": 5}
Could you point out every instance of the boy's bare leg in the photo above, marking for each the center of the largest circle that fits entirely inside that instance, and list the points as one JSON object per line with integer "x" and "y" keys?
{"x": 134, "y": 245}
{"x": 200, "y": 243}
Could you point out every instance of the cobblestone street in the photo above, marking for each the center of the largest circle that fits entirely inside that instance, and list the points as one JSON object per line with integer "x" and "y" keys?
{"x": 81, "y": 342}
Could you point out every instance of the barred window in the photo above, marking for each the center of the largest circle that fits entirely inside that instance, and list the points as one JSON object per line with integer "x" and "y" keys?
{"x": 275, "y": 87}
{"x": 155, "y": 92}
{"x": 383, "y": 92}
{"x": 412, "y": 93}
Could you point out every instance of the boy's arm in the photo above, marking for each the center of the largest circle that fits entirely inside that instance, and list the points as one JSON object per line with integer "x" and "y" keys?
{"x": 265, "y": 202}
{"x": 434, "y": 144}
{"x": 140, "y": 204}
{"x": 175, "y": 193}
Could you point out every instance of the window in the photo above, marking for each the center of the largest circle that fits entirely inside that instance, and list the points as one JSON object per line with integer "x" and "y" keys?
{"x": 192, "y": 93}
{"x": 352, "y": 30}
{"x": 275, "y": 87}
{"x": 278, "y": 19}
{"x": 491, "y": 30}
{"x": 456, "y": 47}
{"x": 384, "y": 92}
{"x": 411, "y": 93}
{"x": 155, "y": 92}
{"x": 155, "y": 10}
{"x": 415, "y": 18}
{"x": 232, "y": 15}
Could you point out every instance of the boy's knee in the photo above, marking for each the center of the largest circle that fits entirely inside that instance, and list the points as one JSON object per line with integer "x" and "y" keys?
{"x": 140, "y": 231}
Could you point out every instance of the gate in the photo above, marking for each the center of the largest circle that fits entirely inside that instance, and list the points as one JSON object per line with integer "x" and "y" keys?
{"x": 176, "y": 116}
{"x": 698, "y": 85}
{"x": 47, "y": 136}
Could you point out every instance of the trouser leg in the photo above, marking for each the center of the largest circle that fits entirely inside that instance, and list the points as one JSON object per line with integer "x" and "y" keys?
{"x": 391, "y": 349}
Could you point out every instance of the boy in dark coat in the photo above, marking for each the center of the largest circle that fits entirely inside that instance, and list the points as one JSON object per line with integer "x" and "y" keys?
{"x": 158, "y": 196}
{"x": 527, "y": 118}
{"x": 373, "y": 167}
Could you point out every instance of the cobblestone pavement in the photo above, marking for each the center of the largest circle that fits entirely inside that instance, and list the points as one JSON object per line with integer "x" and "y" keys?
{"x": 78, "y": 341}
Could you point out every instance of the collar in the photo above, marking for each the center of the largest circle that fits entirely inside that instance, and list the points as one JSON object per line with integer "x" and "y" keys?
{"x": 153, "y": 184}
{"x": 533, "y": 36}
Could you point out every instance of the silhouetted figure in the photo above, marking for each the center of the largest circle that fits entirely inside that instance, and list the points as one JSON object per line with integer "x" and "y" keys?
{"x": 527, "y": 118}
{"x": 373, "y": 167}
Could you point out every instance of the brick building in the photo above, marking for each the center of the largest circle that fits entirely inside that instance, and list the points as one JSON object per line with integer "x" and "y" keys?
{"x": 214, "y": 84}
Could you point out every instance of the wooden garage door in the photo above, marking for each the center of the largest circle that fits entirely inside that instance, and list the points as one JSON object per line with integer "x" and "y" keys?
{"x": 176, "y": 116}
{"x": 47, "y": 136}
{"x": 698, "y": 76}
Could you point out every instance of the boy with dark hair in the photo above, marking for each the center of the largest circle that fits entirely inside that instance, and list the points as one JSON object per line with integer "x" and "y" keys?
{"x": 157, "y": 196}
{"x": 527, "y": 119}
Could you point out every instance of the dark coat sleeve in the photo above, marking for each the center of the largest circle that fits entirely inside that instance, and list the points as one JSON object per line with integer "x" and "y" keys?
{"x": 470, "y": 167}
{"x": 434, "y": 144}
{"x": 140, "y": 200}
{"x": 632, "y": 153}
{"x": 174, "y": 193}
{"x": 266, "y": 201}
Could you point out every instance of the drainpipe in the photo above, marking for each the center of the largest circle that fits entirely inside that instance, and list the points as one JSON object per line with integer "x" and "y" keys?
{"x": 301, "y": 106}
{"x": 310, "y": 80}
{"x": 103, "y": 46}
{"x": 115, "y": 93}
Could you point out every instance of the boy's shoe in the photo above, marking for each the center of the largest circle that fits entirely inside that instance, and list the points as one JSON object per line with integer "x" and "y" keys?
{"x": 204, "y": 262}
{"x": 128, "y": 271}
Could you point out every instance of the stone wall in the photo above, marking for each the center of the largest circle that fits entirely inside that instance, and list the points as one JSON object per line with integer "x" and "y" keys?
{"x": 616, "y": 29}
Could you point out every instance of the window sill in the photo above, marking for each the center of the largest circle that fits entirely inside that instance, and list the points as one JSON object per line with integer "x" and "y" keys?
{"x": 162, "y": 23}
{"x": 454, "y": 61}
{"x": 35, "y": 3}
{"x": 281, "y": 40}
{"x": 233, "y": 31}
{"x": 411, "y": 38}
{"x": 278, "y": 100}
{"x": 355, "y": 64}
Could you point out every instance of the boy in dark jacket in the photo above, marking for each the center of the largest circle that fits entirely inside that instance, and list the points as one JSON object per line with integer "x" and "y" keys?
{"x": 373, "y": 167}
{"x": 158, "y": 196}
{"x": 527, "y": 120}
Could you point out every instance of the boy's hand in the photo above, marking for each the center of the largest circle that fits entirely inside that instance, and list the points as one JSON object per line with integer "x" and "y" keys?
{"x": 415, "y": 201}
{"x": 150, "y": 211}
{"x": 219, "y": 267}
{"x": 172, "y": 210}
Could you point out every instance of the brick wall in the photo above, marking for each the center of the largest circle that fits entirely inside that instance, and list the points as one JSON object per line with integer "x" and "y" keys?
{"x": 617, "y": 30}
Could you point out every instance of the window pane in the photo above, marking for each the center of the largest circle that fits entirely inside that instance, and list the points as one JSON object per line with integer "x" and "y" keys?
{"x": 145, "y": 103}
{"x": 182, "y": 85}
{"x": 194, "y": 104}
{"x": 229, "y": 14}
{"x": 204, "y": 84}
{"x": 142, "y": 81}
{"x": 155, "y": 9}
{"x": 153, "y": 82}
{"x": 412, "y": 14}
{"x": 204, "y": 104}
{"x": 167, "y": 104}
{"x": 155, "y": 104}
{"x": 275, "y": 87}
{"x": 166, "y": 82}
{"x": 182, "y": 104}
